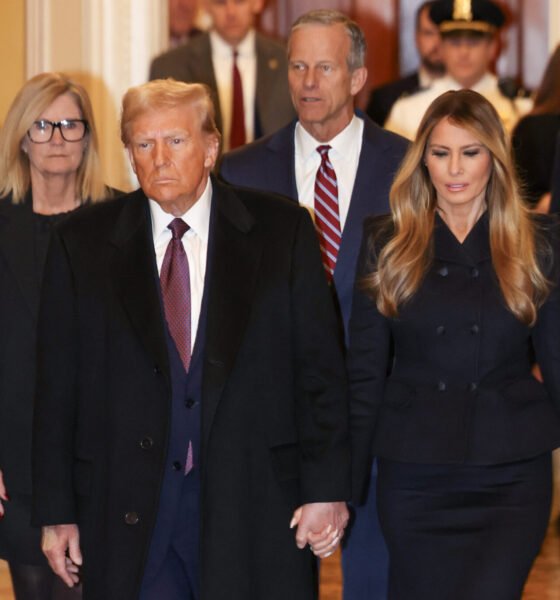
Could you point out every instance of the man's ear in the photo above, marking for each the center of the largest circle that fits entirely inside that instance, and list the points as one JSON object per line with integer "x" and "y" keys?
{"x": 212, "y": 150}
{"x": 359, "y": 78}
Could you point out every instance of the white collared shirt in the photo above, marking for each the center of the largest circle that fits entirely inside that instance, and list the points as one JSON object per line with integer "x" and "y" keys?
{"x": 195, "y": 243}
{"x": 344, "y": 156}
{"x": 222, "y": 61}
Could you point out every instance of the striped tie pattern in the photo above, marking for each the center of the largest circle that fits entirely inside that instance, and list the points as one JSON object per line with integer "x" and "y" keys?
{"x": 327, "y": 219}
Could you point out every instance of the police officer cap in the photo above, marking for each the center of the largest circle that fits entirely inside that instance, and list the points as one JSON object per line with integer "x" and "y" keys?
{"x": 470, "y": 15}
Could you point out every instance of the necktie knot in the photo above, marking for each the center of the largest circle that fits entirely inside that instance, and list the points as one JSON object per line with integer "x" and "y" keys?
{"x": 323, "y": 150}
{"x": 178, "y": 228}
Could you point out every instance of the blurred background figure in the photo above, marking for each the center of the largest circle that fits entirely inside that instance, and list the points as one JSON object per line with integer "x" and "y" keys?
{"x": 245, "y": 71}
{"x": 469, "y": 48}
{"x": 428, "y": 45}
{"x": 534, "y": 137}
{"x": 183, "y": 21}
{"x": 49, "y": 166}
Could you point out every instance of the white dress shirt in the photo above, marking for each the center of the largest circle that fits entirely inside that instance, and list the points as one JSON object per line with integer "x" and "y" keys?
{"x": 344, "y": 156}
{"x": 222, "y": 61}
{"x": 195, "y": 243}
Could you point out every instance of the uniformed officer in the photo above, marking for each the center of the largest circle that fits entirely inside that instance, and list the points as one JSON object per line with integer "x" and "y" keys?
{"x": 469, "y": 31}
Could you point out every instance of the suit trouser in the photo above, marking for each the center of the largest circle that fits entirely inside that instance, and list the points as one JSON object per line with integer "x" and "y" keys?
{"x": 365, "y": 559}
{"x": 177, "y": 577}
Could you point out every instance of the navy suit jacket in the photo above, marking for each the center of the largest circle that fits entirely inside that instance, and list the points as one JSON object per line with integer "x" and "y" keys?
{"x": 268, "y": 164}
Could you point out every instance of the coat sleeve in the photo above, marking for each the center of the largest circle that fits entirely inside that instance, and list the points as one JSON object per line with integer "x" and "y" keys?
{"x": 546, "y": 332}
{"x": 54, "y": 412}
{"x": 321, "y": 384}
{"x": 368, "y": 362}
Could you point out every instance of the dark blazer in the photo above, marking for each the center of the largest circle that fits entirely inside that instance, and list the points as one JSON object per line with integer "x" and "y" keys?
{"x": 19, "y": 302}
{"x": 268, "y": 164}
{"x": 534, "y": 141}
{"x": 273, "y": 433}
{"x": 382, "y": 98}
{"x": 460, "y": 388}
{"x": 555, "y": 179}
{"x": 192, "y": 62}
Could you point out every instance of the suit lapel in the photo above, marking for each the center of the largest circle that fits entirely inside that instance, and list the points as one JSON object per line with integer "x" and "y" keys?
{"x": 234, "y": 259}
{"x": 282, "y": 148}
{"x": 135, "y": 277}
{"x": 18, "y": 248}
{"x": 364, "y": 202}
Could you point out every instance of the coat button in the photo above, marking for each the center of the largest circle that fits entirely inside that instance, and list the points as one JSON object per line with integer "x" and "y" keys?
{"x": 131, "y": 518}
{"x": 474, "y": 272}
{"x": 475, "y": 329}
{"x": 440, "y": 329}
{"x": 443, "y": 271}
{"x": 473, "y": 387}
{"x": 441, "y": 386}
{"x": 146, "y": 443}
{"x": 177, "y": 466}
{"x": 189, "y": 402}
{"x": 157, "y": 370}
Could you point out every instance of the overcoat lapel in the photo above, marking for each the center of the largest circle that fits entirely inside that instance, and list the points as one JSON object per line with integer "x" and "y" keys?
{"x": 135, "y": 277}
{"x": 233, "y": 269}
{"x": 17, "y": 248}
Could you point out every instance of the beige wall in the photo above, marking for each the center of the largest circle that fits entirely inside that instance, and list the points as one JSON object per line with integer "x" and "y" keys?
{"x": 12, "y": 51}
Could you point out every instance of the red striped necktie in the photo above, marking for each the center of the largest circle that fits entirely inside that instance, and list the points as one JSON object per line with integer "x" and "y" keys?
{"x": 327, "y": 219}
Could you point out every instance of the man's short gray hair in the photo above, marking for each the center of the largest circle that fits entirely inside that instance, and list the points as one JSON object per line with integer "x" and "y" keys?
{"x": 358, "y": 45}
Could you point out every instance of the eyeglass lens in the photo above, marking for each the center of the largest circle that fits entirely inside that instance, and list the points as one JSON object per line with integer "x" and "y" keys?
{"x": 72, "y": 130}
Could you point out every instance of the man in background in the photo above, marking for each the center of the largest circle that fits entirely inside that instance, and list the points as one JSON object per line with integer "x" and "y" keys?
{"x": 340, "y": 166}
{"x": 245, "y": 70}
{"x": 469, "y": 30}
{"x": 431, "y": 67}
{"x": 182, "y": 21}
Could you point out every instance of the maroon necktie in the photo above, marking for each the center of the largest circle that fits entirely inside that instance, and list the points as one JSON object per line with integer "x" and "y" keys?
{"x": 237, "y": 133}
{"x": 176, "y": 291}
{"x": 327, "y": 219}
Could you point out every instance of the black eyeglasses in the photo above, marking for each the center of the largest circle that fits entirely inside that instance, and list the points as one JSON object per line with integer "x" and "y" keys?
{"x": 71, "y": 130}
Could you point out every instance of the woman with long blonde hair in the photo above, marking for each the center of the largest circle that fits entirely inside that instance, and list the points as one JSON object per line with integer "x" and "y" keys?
{"x": 455, "y": 289}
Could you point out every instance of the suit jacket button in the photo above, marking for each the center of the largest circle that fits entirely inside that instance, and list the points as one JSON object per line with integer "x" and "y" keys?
{"x": 157, "y": 370}
{"x": 440, "y": 329}
{"x": 474, "y": 272}
{"x": 189, "y": 402}
{"x": 131, "y": 518}
{"x": 475, "y": 329}
{"x": 177, "y": 466}
{"x": 473, "y": 387}
{"x": 146, "y": 443}
{"x": 443, "y": 271}
{"x": 441, "y": 386}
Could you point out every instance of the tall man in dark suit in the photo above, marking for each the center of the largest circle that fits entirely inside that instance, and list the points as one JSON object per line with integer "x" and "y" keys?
{"x": 192, "y": 390}
{"x": 326, "y": 70}
{"x": 245, "y": 70}
{"x": 428, "y": 42}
